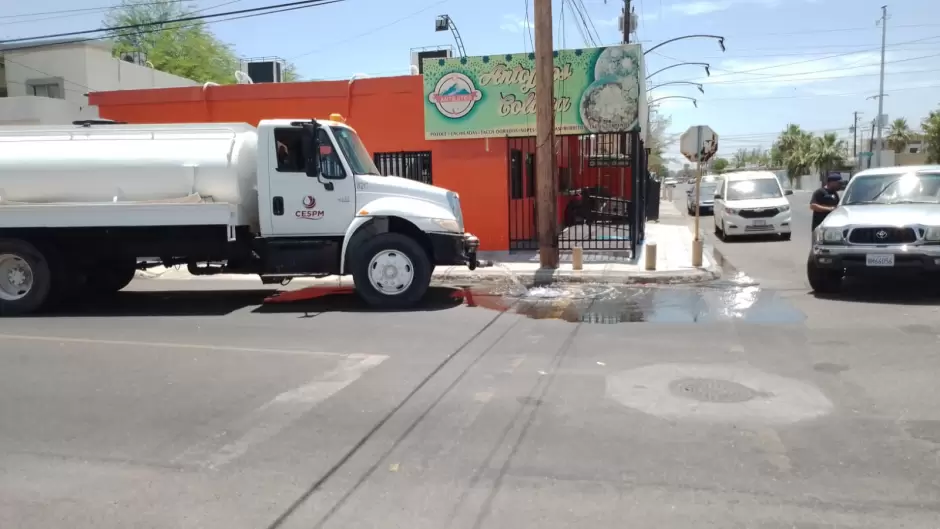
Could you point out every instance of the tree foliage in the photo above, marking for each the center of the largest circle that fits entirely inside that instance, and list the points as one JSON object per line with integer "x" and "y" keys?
{"x": 720, "y": 165}
{"x": 186, "y": 49}
{"x": 931, "y": 126}
{"x": 658, "y": 141}
{"x": 800, "y": 152}
{"x": 899, "y": 135}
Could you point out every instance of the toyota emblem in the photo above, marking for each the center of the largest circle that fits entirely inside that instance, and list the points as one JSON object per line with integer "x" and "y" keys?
{"x": 310, "y": 202}
{"x": 881, "y": 234}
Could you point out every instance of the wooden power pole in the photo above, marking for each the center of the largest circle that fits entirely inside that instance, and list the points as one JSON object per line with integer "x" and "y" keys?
{"x": 545, "y": 201}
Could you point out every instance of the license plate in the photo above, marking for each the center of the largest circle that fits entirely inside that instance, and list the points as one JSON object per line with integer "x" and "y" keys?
{"x": 760, "y": 222}
{"x": 879, "y": 260}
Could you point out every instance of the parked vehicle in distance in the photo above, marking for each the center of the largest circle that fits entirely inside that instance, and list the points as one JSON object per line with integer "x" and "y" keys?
{"x": 887, "y": 222}
{"x": 751, "y": 203}
{"x": 670, "y": 181}
{"x": 706, "y": 199}
{"x": 84, "y": 206}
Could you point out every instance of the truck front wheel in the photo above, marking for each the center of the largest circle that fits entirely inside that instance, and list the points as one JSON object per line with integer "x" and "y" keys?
{"x": 24, "y": 278}
{"x": 391, "y": 270}
{"x": 823, "y": 280}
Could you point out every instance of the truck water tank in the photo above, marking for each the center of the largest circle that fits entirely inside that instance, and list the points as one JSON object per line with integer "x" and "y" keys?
{"x": 130, "y": 163}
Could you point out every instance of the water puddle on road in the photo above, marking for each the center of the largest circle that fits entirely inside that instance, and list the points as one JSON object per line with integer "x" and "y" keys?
{"x": 734, "y": 299}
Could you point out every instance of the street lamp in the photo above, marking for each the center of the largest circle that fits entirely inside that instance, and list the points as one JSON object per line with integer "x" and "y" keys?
{"x": 692, "y": 99}
{"x": 708, "y": 72}
{"x": 721, "y": 41}
{"x": 444, "y": 23}
{"x": 696, "y": 85}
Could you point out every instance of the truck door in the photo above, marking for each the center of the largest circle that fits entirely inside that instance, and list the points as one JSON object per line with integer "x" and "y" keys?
{"x": 302, "y": 205}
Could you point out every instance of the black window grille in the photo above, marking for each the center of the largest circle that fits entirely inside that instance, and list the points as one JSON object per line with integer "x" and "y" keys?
{"x": 410, "y": 165}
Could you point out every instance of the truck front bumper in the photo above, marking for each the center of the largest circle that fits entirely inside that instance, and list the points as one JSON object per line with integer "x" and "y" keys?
{"x": 907, "y": 258}
{"x": 453, "y": 249}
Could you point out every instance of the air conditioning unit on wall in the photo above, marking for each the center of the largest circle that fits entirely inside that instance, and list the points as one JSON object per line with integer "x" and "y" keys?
{"x": 264, "y": 70}
{"x": 437, "y": 52}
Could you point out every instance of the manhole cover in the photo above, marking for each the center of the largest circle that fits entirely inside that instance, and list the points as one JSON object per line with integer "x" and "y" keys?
{"x": 713, "y": 390}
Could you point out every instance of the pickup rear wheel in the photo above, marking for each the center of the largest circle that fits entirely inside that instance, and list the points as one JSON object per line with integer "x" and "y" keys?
{"x": 24, "y": 278}
{"x": 823, "y": 280}
{"x": 391, "y": 270}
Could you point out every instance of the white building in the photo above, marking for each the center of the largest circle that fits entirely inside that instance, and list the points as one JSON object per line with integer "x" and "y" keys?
{"x": 47, "y": 83}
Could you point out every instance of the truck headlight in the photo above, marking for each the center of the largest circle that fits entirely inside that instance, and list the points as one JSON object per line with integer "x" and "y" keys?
{"x": 784, "y": 209}
{"x": 932, "y": 233}
{"x": 448, "y": 225}
{"x": 731, "y": 211}
{"x": 828, "y": 235}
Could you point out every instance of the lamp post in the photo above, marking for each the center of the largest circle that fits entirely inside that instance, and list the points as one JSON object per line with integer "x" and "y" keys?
{"x": 721, "y": 41}
{"x": 696, "y": 85}
{"x": 705, "y": 64}
{"x": 692, "y": 99}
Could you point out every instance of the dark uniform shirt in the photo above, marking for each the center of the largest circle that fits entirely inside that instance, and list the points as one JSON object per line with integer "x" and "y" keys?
{"x": 823, "y": 197}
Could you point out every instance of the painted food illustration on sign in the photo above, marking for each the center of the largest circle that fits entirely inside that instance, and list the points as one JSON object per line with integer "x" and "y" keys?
{"x": 616, "y": 62}
{"x": 610, "y": 105}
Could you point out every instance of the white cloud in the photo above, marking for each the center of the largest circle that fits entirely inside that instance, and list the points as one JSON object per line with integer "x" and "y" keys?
{"x": 514, "y": 24}
{"x": 700, "y": 8}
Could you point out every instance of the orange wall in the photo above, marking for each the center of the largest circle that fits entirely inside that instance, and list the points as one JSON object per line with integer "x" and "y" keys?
{"x": 387, "y": 112}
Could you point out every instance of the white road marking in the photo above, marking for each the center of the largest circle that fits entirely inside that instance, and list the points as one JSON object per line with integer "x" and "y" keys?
{"x": 280, "y": 412}
{"x": 166, "y": 345}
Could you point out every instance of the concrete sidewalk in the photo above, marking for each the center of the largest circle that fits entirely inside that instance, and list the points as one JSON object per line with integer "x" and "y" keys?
{"x": 673, "y": 264}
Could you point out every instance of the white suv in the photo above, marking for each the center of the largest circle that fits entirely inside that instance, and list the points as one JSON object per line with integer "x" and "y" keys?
{"x": 751, "y": 203}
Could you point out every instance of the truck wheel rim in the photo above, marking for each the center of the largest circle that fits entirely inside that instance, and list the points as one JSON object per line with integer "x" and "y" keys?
{"x": 391, "y": 272}
{"x": 16, "y": 277}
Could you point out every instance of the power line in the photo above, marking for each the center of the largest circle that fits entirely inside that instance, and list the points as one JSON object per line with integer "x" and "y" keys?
{"x": 827, "y": 70}
{"x": 69, "y": 13}
{"x": 190, "y": 18}
{"x": 702, "y": 100}
{"x": 373, "y": 30}
{"x": 28, "y": 46}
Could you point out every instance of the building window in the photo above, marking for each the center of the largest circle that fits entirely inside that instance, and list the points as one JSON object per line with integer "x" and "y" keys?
{"x": 52, "y": 88}
{"x": 411, "y": 165}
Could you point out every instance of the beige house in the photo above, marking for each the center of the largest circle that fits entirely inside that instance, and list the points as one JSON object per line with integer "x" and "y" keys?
{"x": 914, "y": 153}
{"x": 47, "y": 82}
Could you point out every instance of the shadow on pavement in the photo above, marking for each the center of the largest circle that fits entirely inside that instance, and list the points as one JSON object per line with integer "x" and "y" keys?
{"x": 888, "y": 290}
{"x": 222, "y": 302}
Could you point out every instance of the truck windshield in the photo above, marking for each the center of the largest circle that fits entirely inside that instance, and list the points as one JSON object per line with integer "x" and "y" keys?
{"x": 355, "y": 152}
{"x": 893, "y": 188}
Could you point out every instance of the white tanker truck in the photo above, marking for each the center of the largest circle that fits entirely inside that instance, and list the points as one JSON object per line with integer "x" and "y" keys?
{"x": 82, "y": 207}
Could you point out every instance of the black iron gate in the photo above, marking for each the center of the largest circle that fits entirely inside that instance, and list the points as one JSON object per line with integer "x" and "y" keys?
{"x": 410, "y": 165}
{"x": 597, "y": 182}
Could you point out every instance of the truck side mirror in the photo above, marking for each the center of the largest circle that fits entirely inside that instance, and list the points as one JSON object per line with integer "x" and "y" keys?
{"x": 788, "y": 192}
{"x": 311, "y": 150}
{"x": 717, "y": 196}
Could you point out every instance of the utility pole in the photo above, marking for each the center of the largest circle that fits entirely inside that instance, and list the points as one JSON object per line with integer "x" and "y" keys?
{"x": 874, "y": 123}
{"x": 881, "y": 83}
{"x": 626, "y": 21}
{"x": 545, "y": 202}
{"x": 855, "y": 136}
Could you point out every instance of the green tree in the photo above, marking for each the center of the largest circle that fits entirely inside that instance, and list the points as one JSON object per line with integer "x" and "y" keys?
{"x": 899, "y": 135}
{"x": 658, "y": 140}
{"x": 827, "y": 153}
{"x": 720, "y": 165}
{"x": 931, "y": 126}
{"x": 186, "y": 49}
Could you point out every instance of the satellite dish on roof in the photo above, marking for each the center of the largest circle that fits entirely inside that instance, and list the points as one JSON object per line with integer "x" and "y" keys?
{"x": 243, "y": 78}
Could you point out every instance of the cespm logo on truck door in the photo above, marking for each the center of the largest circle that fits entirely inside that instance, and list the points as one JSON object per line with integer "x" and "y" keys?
{"x": 454, "y": 95}
{"x": 310, "y": 211}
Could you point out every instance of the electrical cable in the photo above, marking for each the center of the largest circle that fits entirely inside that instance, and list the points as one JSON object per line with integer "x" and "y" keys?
{"x": 69, "y": 13}
{"x": 189, "y": 18}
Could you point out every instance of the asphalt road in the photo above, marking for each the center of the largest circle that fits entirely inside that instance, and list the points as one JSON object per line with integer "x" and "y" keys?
{"x": 744, "y": 403}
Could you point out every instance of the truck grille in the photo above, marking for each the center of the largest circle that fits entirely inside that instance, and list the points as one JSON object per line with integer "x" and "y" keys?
{"x": 882, "y": 236}
{"x": 759, "y": 213}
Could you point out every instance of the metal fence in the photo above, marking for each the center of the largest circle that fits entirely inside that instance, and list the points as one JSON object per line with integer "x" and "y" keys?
{"x": 410, "y": 165}
{"x": 597, "y": 182}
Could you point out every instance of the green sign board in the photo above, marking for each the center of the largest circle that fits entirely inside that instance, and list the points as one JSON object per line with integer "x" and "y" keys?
{"x": 596, "y": 90}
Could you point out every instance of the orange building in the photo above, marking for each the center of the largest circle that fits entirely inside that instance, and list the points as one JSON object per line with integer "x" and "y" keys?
{"x": 388, "y": 113}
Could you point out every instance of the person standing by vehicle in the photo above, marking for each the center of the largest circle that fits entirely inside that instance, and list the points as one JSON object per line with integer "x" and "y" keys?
{"x": 825, "y": 199}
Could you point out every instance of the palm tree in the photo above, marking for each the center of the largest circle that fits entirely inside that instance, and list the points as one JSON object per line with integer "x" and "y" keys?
{"x": 827, "y": 152}
{"x": 899, "y": 135}
{"x": 931, "y": 126}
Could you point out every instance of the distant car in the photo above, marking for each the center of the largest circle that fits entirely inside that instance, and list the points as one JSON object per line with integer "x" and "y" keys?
{"x": 887, "y": 223}
{"x": 751, "y": 203}
{"x": 671, "y": 181}
{"x": 706, "y": 203}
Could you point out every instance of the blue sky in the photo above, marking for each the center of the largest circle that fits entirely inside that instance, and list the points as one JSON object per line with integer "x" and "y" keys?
{"x": 810, "y": 62}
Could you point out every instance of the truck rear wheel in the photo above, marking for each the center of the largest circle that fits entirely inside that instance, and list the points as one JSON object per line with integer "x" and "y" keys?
{"x": 110, "y": 276}
{"x": 823, "y": 280}
{"x": 24, "y": 278}
{"x": 391, "y": 270}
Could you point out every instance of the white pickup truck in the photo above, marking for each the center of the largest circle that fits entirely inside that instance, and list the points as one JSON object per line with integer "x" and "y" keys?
{"x": 82, "y": 207}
